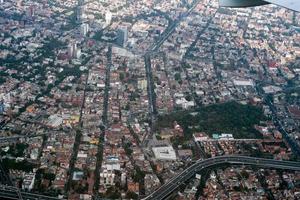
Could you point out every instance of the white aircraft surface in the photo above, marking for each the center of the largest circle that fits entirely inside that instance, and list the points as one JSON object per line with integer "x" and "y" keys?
{"x": 289, "y": 4}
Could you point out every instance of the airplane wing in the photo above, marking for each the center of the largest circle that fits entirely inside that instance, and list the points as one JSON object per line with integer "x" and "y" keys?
{"x": 290, "y": 4}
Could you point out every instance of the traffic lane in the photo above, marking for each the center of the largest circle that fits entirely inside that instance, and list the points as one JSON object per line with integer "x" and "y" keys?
{"x": 163, "y": 191}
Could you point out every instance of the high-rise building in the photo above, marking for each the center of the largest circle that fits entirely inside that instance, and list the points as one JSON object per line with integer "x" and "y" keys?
{"x": 122, "y": 36}
{"x": 80, "y": 11}
{"x": 84, "y": 29}
{"x": 77, "y": 53}
{"x": 108, "y": 17}
{"x": 73, "y": 51}
{"x": 1, "y": 107}
{"x": 31, "y": 11}
{"x": 79, "y": 14}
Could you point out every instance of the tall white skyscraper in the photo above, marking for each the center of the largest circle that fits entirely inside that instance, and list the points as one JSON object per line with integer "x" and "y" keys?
{"x": 108, "y": 17}
{"x": 73, "y": 51}
{"x": 84, "y": 29}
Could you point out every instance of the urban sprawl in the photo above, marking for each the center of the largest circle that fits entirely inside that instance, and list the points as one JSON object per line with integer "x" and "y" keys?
{"x": 113, "y": 99}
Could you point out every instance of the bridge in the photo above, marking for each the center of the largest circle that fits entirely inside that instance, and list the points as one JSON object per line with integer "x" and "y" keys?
{"x": 165, "y": 190}
{"x": 13, "y": 193}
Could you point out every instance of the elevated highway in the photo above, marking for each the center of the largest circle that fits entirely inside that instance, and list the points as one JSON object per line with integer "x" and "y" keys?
{"x": 13, "y": 193}
{"x": 166, "y": 189}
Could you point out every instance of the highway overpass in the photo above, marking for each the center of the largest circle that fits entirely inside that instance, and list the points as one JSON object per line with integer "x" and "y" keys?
{"x": 166, "y": 189}
{"x": 12, "y": 193}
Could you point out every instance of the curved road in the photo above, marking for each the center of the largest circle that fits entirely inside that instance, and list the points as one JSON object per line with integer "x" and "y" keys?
{"x": 13, "y": 193}
{"x": 166, "y": 189}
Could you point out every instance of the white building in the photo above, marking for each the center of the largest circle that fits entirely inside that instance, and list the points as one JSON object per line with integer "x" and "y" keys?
{"x": 84, "y": 29}
{"x": 55, "y": 120}
{"x": 108, "y": 17}
{"x": 225, "y": 136}
{"x": 107, "y": 177}
{"x": 271, "y": 89}
{"x": 243, "y": 82}
{"x": 73, "y": 50}
{"x": 112, "y": 166}
{"x": 184, "y": 103}
{"x": 164, "y": 153}
{"x": 198, "y": 137}
{"x": 28, "y": 181}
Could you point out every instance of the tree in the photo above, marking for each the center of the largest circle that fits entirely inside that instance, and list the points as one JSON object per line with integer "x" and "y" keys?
{"x": 23, "y": 165}
{"x": 127, "y": 107}
{"x": 188, "y": 97}
{"x": 138, "y": 175}
{"x": 127, "y": 148}
{"x": 49, "y": 176}
{"x": 131, "y": 195}
{"x": 245, "y": 174}
{"x": 177, "y": 76}
{"x": 112, "y": 193}
{"x": 121, "y": 76}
